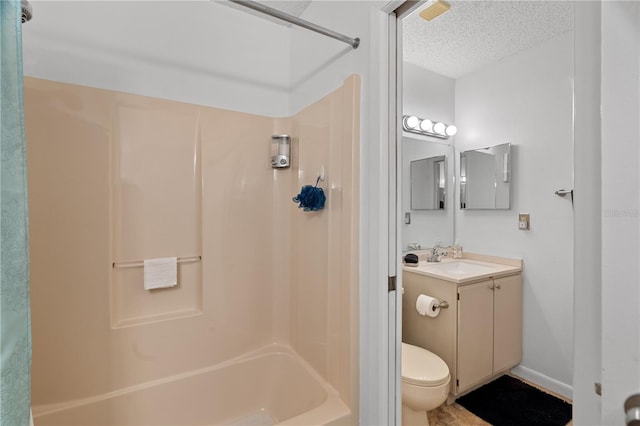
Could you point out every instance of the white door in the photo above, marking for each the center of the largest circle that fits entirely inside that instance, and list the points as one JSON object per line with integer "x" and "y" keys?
{"x": 607, "y": 210}
{"x": 620, "y": 206}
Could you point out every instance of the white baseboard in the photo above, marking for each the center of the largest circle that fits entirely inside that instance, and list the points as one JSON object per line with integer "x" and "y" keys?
{"x": 546, "y": 382}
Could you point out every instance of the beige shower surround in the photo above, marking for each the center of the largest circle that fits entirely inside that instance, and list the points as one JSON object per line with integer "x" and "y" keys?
{"x": 116, "y": 177}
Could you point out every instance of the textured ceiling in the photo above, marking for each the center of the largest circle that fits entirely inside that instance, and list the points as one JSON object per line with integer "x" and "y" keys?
{"x": 473, "y": 34}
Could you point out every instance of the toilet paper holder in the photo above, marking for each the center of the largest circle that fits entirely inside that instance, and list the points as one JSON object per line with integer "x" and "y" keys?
{"x": 443, "y": 305}
{"x": 429, "y": 306}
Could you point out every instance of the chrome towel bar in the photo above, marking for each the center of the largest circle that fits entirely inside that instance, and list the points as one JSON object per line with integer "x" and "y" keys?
{"x": 140, "y": 263}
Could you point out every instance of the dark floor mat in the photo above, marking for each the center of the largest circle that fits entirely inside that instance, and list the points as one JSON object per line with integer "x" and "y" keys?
{"x": 510, "y": 402}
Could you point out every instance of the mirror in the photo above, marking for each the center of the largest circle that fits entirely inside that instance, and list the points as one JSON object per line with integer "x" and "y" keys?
{"x": 429, "y": 183}
{"x": 435, "y": 223}
{"x": 485, "y": 178}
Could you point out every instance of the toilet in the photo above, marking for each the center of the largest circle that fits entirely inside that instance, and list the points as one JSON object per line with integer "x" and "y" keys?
{"x": 425, "y": 384}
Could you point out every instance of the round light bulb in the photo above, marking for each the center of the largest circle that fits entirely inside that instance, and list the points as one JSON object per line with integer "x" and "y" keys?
{"x": 451, "y": 130}
{"x": 439, "y": 128}
{"x": 426, "y": 125}
{"x": 411, "y": 122}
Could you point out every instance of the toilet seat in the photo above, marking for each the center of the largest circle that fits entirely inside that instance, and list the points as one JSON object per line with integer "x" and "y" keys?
{"x": 422, "y": 368}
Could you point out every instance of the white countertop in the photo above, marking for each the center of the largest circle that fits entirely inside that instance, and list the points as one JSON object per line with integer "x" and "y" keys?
{"x": 465, "y": 270}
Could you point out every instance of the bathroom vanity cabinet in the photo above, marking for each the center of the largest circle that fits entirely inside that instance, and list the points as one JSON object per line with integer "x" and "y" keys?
{"x": 489, "y": 329}
{"x": 479, "y": 336}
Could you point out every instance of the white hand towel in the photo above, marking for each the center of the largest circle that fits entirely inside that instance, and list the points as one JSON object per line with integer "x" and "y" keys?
{"x": 160, "y": 273}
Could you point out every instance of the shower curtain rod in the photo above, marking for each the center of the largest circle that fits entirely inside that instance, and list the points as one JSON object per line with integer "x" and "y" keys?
{"x": 353, "y": 42}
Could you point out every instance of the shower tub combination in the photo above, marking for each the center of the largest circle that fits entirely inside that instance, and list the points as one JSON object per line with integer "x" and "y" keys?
{"x": 269, "y": 386}
{"x": 273, "y": 386}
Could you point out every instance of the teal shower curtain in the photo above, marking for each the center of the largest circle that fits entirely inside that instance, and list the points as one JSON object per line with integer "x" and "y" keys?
{"x": 15, "y": 331}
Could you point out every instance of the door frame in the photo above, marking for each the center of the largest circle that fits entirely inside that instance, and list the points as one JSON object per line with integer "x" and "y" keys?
{"x": 587, "y": 241}
{"x": 397, "y": 10}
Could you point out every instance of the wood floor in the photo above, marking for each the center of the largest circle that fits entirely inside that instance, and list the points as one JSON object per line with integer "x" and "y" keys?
{"x": 454, "y": 415}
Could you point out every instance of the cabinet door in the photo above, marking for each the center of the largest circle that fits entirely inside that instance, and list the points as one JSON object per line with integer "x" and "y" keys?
{"x": 507, "y": 334}
{"x": 475, "y": 334}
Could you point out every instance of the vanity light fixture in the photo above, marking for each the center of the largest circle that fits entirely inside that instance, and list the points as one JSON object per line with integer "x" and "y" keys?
{"x": 439, "y": 129}
{"x": 410, "y": 122}
{"x": 424, "y": 126}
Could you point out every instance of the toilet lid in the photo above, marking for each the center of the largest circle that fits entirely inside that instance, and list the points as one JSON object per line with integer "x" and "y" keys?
{"x": 421, "y": 367}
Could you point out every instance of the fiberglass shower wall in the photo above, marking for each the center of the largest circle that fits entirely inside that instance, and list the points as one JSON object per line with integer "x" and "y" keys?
{"x": 119, "y": 177}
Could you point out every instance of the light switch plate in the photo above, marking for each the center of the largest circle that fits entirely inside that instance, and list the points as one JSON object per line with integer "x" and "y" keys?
{"x": 407, "y": 218}
{"x": 523, "y": 222}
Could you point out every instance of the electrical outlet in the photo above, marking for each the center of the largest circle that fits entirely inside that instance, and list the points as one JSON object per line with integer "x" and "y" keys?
{"x": 523, "y": 222}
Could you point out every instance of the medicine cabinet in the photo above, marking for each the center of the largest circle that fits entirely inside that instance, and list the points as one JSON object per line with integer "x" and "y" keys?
{"x": 485, "y": 178}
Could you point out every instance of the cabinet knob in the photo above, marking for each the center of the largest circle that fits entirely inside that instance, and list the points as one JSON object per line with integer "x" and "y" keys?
{"x": 498, "y": 286}
{"x": 491, "y": 286}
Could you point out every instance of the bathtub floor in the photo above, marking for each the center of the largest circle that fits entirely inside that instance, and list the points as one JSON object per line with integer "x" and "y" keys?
{"x": 261, "y": 418}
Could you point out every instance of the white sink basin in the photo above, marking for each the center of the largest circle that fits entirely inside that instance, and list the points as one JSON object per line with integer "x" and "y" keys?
{"x": 460, "y": 267}
{"x": 463, "y": 271}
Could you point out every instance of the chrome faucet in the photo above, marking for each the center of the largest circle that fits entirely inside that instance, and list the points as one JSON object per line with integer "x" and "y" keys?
{"x": 436, "y": 252}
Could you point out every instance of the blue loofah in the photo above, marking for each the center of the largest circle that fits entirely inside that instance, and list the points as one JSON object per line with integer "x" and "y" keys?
{"x": 310, "y": 198}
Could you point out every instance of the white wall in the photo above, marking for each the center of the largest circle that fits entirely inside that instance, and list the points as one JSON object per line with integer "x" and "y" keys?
{"x": 526, "y": 99}
{"x": 197, "y": 52}
{"x": 320, "y": 64}
{"x": 427, "y": 95}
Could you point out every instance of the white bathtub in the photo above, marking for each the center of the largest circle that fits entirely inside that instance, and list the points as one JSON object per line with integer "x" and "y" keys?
{"x": 273, "y": 387}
